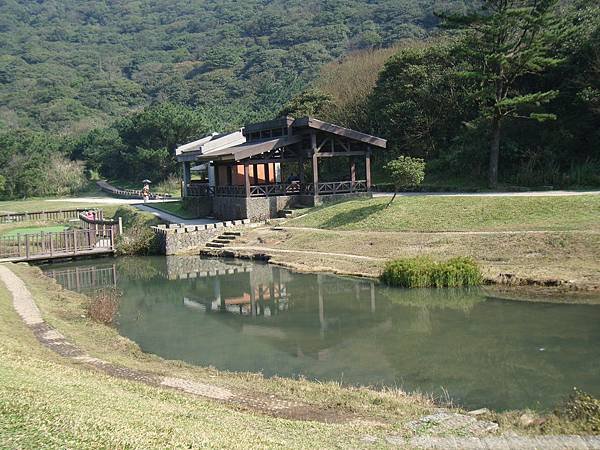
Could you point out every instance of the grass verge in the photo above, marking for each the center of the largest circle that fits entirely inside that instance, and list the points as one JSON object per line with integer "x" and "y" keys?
{"x": 434, "y": 214}
{"x": 176, "y": 208}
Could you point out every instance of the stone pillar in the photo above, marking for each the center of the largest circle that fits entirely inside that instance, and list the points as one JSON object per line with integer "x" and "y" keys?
{"x": 187, "y": 177}
{"x": 211, "y": 175}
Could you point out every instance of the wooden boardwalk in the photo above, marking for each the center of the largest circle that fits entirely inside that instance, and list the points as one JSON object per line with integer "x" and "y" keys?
{"x": 95, "y": 237}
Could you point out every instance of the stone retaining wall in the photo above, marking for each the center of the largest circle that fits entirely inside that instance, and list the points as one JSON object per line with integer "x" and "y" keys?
{"x": 177, "y": 239}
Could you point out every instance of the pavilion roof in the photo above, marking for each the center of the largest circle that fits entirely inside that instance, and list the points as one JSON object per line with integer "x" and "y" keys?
{"x": 249, "y": 149}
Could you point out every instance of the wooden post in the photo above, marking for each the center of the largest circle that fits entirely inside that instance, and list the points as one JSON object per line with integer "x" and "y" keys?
{"x": 26, "y": 246}
{"x": 43, "y": 241}
{"x": 51, "y": 244}
{"x": 315, "y": 162}
{"x": 352, "y": 171}
{"x": 368, "y": 167}
{"x": 74, "y": 241}
{"x": 247, "y": 178}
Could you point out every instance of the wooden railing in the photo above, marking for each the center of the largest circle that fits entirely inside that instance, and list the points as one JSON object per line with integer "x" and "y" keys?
{"x": 99, "y": 224}
{"x": 26, "y": 247}
{"x": 129, "y": 193}
{"x": 342, "y": 187}
{"x": 41, "y": 215}
{"x": 200, "y": 190}
{"x": 277, "y": 189}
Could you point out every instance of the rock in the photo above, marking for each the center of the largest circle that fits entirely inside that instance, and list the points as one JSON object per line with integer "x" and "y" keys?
{"x": 528, "y": 420}
{"x": 368, "y": 439}
{"x": 443, "y": 422}
{"x": 479, "y": 412}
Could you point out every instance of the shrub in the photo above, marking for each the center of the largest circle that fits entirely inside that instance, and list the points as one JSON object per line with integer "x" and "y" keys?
{"x": 582, "y": 407}
{"x": 405, "y": 172}
{"x": 138, "y": 238}
{"x": 104, "y": 305}
{"x": 424, "y": 272}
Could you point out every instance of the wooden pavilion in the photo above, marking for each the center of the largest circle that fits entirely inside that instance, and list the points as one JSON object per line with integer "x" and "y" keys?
{"x": 260, "y": 170}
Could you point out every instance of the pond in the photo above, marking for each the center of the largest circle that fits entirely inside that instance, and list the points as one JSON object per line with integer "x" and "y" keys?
{"x": 477, "y": 350}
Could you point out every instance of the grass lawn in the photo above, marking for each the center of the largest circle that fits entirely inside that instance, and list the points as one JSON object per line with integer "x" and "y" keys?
{"x": 32, "y": 230}
{"x": 175, "y": 208}
{"x": 429, "y": 214}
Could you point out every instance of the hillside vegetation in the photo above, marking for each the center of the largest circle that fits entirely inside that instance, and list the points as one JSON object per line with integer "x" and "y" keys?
{"x": 70, "y": 65}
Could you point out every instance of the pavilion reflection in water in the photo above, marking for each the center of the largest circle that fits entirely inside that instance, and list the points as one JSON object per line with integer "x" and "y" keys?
{"x": 266, "y": 294}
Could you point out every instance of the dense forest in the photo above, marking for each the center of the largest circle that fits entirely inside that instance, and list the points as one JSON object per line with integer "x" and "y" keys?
{"x": 118, "y": 84}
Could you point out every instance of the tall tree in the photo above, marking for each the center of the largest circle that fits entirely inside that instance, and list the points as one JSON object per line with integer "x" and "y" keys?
{"x": 506, "y": 41}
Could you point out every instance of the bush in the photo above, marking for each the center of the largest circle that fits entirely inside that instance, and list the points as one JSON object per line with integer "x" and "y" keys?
{"x": 424, "y": 272}
{"x": 104, "y": 305}
{"x": 138, "y": 238}
{"x": 584, "y": 408}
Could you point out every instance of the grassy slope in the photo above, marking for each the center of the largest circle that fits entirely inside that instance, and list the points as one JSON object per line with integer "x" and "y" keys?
{"x": 431, "y": 214}
{"x": 175, "y": 208}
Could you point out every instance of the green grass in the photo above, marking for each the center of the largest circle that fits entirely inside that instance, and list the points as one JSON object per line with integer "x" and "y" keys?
{"x": 430, "y": 214}
{"x": 423, "y": 272}
{"x": 35, "y": 230}
{"x": 176, "y": 208}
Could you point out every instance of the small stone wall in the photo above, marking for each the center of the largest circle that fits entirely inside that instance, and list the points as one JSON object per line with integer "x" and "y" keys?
{"x": 182, "y": 240}
{"x": 257, "y": 209}
{"x": 199, "y": 206}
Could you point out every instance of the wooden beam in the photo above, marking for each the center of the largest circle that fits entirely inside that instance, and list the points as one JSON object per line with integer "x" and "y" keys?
{"x": 332, "y": 154}
{"x": 340, "y": 131}
{"x": 352, "y": 170}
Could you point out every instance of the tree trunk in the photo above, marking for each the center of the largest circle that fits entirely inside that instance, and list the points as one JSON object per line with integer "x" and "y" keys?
{"x": 494, "y": 152}
{"x": 393, "y": 197}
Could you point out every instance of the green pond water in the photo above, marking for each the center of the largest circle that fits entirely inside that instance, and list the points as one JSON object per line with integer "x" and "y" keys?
{"x": 463, "y": 345}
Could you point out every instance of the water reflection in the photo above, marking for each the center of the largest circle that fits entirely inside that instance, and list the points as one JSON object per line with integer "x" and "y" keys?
{"x": 246, "y": 316}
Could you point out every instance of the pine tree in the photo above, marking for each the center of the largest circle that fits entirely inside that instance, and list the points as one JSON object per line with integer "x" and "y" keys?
{"x": 504, "y": 42}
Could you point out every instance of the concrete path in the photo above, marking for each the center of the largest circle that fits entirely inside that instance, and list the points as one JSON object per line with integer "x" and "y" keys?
{"x": 106, "y": 200}
{"x": 501, "y": 442}
{"x": 171, "y": 218}
{"x": 489, "y": 194}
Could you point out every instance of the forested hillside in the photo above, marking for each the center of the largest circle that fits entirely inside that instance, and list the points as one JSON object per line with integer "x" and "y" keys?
{"x": 72, "y": 65}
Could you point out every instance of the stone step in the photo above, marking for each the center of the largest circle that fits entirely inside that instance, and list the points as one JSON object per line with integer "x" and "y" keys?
{"x": 221, "y": 241}
{"x": 227, "y": 236}
{"x": 232, "y": 233}
{"x": 215, "y": 245}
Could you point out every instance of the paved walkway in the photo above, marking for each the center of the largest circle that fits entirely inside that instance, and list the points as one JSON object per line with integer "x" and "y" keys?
{"x": 488, "y": 194}
{"x": 172, "y": 218}
{"x": 106, "y": 200}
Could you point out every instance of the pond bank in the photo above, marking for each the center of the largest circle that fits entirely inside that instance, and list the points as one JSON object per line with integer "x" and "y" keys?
{"x": 364, "y": 416}
{"x": 552, "y": 264}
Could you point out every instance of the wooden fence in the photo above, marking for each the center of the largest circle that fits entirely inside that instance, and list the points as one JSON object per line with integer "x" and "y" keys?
{"x": 41, "y": 216}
